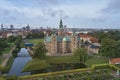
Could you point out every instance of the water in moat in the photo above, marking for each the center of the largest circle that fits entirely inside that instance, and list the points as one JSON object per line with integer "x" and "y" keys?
{"x": 20, "y": 61}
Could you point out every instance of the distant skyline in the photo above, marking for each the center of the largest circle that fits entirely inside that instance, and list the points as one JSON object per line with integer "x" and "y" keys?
{"x": 75, "y": 13}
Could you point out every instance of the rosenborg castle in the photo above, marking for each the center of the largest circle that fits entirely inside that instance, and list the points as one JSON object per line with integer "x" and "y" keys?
{"x": 61, "y": 42}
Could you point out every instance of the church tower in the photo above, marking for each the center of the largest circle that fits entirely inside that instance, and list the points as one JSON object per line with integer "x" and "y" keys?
{"x": 61, "y": 29}
{"x": 61, "y": 24}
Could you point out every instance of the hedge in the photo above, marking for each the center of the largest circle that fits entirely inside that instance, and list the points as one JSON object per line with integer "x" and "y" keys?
{"x": 1, "y": 68}
{"x": 94, "y": 67}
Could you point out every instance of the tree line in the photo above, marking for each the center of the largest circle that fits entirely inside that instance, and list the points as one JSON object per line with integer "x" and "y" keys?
{"x": 4, "y": 43}
{"x": 35, "y": 35}
{"x": 110, "y": 43}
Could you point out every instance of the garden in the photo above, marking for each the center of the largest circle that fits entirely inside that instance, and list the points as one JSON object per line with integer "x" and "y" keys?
{"x": 96, "y": 72}
{"x": 37, "y": 64}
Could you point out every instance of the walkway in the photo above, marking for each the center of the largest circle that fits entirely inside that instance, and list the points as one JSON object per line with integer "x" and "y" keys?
{"x": 7, "y": 56}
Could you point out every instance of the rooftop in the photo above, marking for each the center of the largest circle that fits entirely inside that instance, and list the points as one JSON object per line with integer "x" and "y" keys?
{"x": 115, "y": 60}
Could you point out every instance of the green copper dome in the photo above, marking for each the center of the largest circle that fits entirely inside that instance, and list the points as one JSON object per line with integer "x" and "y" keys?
{"x": 64, "y": 39}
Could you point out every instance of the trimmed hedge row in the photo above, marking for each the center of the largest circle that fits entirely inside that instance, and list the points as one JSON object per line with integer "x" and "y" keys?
{"x": 107, "y": 66}
{"x": 94, "y": 67}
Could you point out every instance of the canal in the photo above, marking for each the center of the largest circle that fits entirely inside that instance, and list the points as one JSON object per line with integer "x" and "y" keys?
{"x": 20, "y": 61}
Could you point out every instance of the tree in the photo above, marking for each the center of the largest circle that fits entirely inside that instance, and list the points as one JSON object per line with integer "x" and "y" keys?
{"x": 3, "y": 45}
{"x": 80, "y": 54}
{"x": 11, "y": 39}
{"x": 40, "y": 51}
{"x": 29, "y": 35}
{"x": 109, "y": 48}
{"x": 117, "y": 48}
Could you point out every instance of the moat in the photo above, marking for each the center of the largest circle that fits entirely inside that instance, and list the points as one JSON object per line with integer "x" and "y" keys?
{"x": 19, "y": 63}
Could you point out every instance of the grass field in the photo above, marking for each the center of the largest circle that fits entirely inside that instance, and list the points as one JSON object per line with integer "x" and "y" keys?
{"x": 35, "y": 41}
{"x": 38, "y": 64}
{"x": 60, "y": 59}
{"x": 93, "y": 60}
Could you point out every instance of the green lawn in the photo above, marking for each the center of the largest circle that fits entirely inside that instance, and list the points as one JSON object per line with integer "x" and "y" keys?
{"x": 35, "y": 41}
{"x": 60, "y": 59}
{"x": 93, "y": 60}
{"x": 38, "y": 64}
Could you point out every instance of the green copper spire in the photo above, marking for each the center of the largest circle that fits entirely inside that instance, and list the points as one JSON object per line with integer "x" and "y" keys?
{"x": 61, "y": 24}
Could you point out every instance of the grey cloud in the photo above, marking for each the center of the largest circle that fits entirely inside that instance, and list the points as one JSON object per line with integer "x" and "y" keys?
{"x": 112, "y": 7}
{"x": 54, "y": 13}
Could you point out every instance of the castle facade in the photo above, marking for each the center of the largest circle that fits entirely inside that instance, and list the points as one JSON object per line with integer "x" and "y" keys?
{"x": 60, "y": 42}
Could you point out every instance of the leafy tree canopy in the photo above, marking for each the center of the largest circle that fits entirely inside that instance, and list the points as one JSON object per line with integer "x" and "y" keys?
{"x": 80, "y": 54}
{"x": 40, "y": 51}
{"x": 110, "y": 48}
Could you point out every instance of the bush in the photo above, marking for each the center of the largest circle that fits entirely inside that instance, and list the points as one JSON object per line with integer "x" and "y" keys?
{"x": 101, "y": 66}
{"x": 15, "y": 51}
{"x": 2, "y": 78}
{"x": 8, "y": 66}
{"x": 115, "y": 68}
{"x": 5, "y": 70}
{"x": 11, "y": 78}
{"x": 1, "y": 68}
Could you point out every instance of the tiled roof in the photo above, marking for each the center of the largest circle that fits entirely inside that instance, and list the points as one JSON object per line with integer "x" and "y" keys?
{"x": 94, "y": 40}
{"x": 115, "y": 60}
{"x": 85, "y": 36}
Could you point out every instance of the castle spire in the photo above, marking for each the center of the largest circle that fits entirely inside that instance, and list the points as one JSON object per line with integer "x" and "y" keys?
{"x": 61, "y": 24}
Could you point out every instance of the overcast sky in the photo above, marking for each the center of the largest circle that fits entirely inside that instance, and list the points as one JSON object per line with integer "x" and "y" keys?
{"x": 75, "y": 13}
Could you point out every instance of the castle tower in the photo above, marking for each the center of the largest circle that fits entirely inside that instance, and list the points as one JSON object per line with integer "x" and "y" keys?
{"x": 61, "y": 29}
{"x": 54, "y": 44}
{"x": 64, "y": 45}
{"x": 74, "y": 42}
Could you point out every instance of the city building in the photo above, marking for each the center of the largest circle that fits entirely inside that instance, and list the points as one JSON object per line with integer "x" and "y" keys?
{"x": 60, "y": 42}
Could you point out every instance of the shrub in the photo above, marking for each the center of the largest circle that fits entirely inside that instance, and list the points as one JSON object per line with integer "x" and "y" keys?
{"x": 5, "y": 70}
{"x": 15, "y": 51}
{"x": 11, "y": 77}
